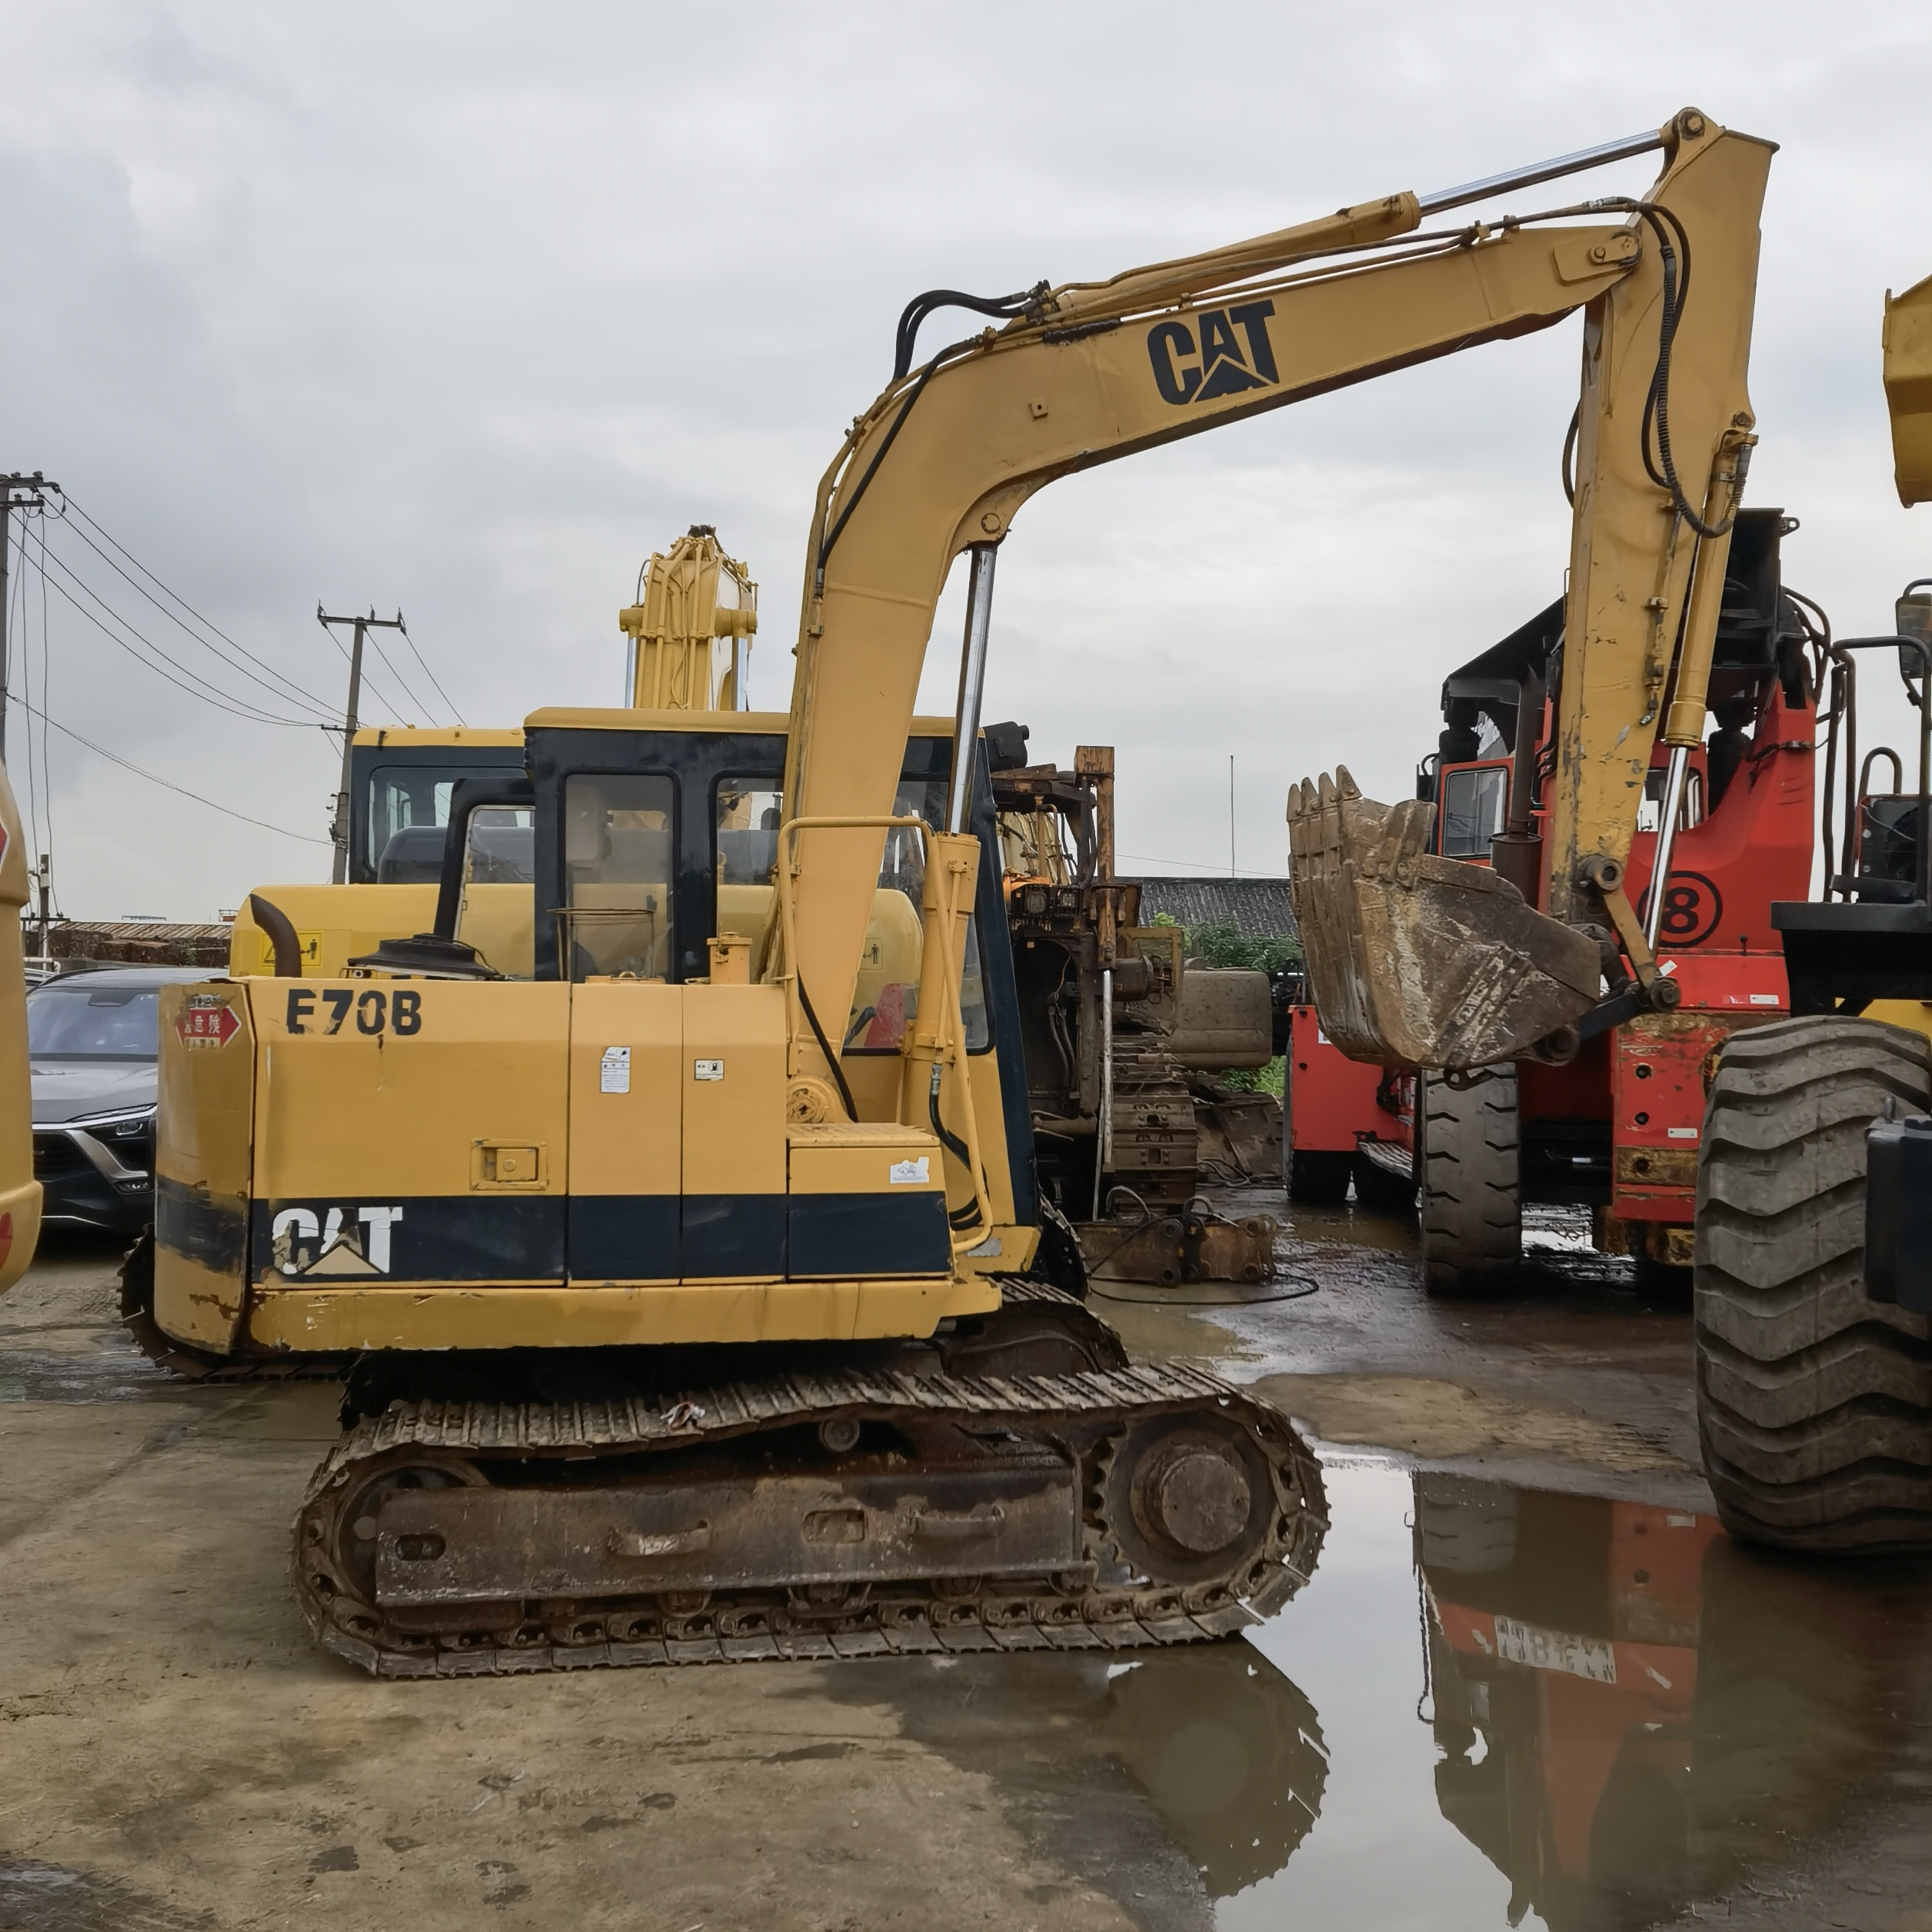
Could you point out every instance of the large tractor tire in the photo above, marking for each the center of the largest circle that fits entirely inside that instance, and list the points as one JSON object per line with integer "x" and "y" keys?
{"x": 1814, "y": 1402}
{"x": 1471, "y": 1200}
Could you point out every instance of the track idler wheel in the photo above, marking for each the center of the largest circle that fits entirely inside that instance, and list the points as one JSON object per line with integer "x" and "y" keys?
{"x": 1420, "y": 961}
{"x": 1184, "y": 1495}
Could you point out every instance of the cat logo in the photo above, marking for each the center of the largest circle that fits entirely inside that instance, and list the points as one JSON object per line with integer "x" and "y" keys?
{"x": 1185, "y": 373}
{"x": 306, "y": 1243}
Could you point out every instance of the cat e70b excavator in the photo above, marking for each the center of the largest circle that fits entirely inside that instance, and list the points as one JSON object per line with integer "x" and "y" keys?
{"x": 690, "y": 1325}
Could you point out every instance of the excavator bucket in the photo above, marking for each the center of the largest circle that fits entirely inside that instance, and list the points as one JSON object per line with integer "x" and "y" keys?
{"x": 1420, "y": 961}
{"x": 1908, "y": 388}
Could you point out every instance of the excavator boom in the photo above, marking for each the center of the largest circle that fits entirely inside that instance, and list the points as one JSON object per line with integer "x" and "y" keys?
{"x": 1423, "y": 961}
{"x": 942, "y": 462}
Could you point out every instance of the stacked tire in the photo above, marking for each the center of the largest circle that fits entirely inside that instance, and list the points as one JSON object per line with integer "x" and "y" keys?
{"x": 1814, "y": 1401}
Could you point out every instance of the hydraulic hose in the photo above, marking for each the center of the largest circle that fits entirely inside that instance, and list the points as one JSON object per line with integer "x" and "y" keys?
{"x": 824, "y": 1047}
{"x": 1006, "y": 307}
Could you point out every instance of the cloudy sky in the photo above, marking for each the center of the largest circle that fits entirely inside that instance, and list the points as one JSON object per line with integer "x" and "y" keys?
{"x": 466, "y": 309}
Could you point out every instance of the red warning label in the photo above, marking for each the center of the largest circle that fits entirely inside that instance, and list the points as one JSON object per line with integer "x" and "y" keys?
{"x": 207, "y": 1026}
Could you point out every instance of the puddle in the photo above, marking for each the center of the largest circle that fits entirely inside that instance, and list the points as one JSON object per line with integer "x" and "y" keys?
{"x": 1491, "y": 1707}
{"x": 113, "y": 1371}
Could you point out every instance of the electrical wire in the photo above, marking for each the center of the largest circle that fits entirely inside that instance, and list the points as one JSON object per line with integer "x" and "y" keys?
{"x": 101, "y": 750}
{"x": 368, "y": 682}
{"x": 427, "y": 673}
{"x": 373, "y": 638}
{"x": 321, "y": 705}
{"x": 243, "y": 709}
{"x": 1200, "y": 865}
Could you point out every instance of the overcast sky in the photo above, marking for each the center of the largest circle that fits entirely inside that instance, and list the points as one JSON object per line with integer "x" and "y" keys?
{"x": 466, "y": 309}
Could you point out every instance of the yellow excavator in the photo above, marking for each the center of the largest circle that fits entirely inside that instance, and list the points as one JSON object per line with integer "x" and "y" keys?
{"x": 19, "y": 1191}
{"x": 691, "y": 1322}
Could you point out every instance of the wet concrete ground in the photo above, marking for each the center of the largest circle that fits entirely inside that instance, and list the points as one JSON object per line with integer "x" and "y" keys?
{"x": 1530, "y": 1682}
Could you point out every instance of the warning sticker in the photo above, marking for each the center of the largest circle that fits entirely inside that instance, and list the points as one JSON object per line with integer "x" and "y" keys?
{"x": 614, "y": 1071}
{"x": 708, "y": 1070}
{"x": 206, "y": 1026}
{"x": 910, "y": 1173}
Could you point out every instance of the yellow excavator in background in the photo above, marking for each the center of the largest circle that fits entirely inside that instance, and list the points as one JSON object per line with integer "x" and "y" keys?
{"x": 19, "y": 1191}
{"x": 693, "y": 1322}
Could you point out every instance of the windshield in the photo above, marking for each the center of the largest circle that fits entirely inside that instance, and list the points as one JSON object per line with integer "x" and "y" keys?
{"x": 409, "y": 806}
{"x": 82, "y": 1022}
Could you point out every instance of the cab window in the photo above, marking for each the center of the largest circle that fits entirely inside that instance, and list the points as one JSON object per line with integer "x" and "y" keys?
{"x": 619, "y": 852}
{"x": 746, "y": 819}
{"x": 886, "y": 999}
{"x": 1473, "y": 798}
{"x": 407, "y": 808}
{"x": 1650, "y": 814}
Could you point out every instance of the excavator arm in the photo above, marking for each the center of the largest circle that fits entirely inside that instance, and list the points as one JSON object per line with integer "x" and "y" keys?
{"x": 943, "y": 461}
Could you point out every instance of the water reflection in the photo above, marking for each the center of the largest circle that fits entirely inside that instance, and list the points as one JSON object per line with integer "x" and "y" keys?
{"x": 1229, "y": 1751}
{"x": 1168, "y": 1778}
{"x": 1631, "y": 1712}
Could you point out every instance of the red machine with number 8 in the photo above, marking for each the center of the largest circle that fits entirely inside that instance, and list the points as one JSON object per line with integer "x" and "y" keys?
{"x": 1616, "y": 1128}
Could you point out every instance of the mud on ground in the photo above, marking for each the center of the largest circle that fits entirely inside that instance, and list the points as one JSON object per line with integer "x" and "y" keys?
{"x": 174, "y": 1753}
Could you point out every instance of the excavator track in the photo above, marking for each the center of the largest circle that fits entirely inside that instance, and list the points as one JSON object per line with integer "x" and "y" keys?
{"x": 195, "y": 1364}
{"x": 852, "y": 1513}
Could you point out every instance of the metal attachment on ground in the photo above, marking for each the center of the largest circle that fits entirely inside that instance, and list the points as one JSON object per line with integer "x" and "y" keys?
{"x": 1193, "y": 1244}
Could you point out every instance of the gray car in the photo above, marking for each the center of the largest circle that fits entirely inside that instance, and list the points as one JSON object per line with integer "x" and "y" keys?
{"x": 94, "y": 1039}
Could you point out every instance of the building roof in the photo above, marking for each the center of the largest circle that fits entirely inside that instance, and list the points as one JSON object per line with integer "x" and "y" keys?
{"x": 1257, "y": 908}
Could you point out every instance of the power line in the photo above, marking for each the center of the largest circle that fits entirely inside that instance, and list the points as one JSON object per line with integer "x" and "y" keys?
{"x": 197, "y": 686}
{"x": 348, "y": 657}
{"x": 227, "y": 701}
{"x": 431, "y": 676}
{"x": 166, "y": 784}
{"x": 1198, "y": 865}
{"x": 395, "y": 674}
{"x": 308, "y": 697}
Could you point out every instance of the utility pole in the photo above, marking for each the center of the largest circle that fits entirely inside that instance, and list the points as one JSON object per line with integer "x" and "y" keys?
{"x": 339, "y": 830}
{"x": 1230, "y": 814}
{"x": 18, "y": 491}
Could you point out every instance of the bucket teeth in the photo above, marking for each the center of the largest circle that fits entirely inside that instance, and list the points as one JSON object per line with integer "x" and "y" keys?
{"x": 1420, "y": 961}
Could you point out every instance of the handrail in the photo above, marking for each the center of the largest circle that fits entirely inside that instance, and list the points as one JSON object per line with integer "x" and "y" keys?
{"x": 1845, "y": 716}
{"x": 955, "y": 1017}
{"x": 797, "y": 1001}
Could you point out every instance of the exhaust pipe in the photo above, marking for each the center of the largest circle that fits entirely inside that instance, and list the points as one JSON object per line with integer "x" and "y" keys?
{"x": 281, "y": 936}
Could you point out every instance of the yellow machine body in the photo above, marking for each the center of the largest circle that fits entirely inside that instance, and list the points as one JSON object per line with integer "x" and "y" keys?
{"x": 19, "y": 1191}
{"x": 382, "y": 1164}
{"x": 691, "y": 629}
{"x": 354, "y": 1161}
{"x": 1908, "y": 388}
